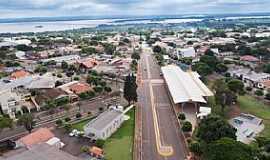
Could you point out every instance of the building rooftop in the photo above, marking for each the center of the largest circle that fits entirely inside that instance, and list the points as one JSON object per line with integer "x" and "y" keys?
{"x": 97, "y": 151}
{"x": 39, "y": 136}
{"x": 104, "y": 119}
{"x": 79, "y": 88}
{"x": 88, "y": 63}
{"x": 19, "y": 74}
{"x": 42, "y": 152}
{"x": 31, "y": 82}
{"x": 249, "y": 58}
{"x": 67, "y": 58}
{"x": 246, "y": 73}
{"x": 188, "y": 52}
{"x": 185, "y": 86}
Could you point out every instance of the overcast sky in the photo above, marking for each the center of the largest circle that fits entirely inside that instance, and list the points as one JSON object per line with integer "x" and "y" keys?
{"x": 45, "y": 8}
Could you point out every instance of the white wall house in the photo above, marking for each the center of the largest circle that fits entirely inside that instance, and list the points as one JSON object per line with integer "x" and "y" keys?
{"x": 186, "y": 52}
{"x": 104, "y": 125}
{"x": 249, "y": 77}
{"x": 10, "y": 102}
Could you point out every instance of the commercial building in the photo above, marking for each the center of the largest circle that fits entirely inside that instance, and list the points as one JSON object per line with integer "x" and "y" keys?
{"x": 105, "y": 124}
{"x": 185, "y": 87}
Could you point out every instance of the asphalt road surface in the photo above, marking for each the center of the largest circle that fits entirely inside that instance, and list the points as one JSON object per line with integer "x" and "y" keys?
{"x": 160, "y": 132}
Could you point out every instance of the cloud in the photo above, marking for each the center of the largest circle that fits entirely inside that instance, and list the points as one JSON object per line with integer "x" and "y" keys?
{"x": 43, "y": 8}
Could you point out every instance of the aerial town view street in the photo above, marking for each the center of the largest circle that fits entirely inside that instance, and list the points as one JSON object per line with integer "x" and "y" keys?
{"x": 135, "y": 80}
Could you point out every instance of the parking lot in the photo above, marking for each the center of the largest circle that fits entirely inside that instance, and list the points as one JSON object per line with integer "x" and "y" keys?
{"x": 72, "y": 144}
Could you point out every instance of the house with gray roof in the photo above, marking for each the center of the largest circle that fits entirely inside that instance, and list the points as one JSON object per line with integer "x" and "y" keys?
{"x": 41, "y": 151}
{"x": 105, "y": 124}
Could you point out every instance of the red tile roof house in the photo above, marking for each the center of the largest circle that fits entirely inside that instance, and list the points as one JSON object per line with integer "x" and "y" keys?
{"x": 80, "y": 87}
{"x": 96, "y": 152}
{"x": 87, "y": 64}
{"x": 249, "y": 58}
{"x": 42, "y": 135}
{"x": 19, "y": 74}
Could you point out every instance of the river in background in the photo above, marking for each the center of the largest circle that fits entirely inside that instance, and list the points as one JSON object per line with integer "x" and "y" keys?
{"x": 54, "y": 24}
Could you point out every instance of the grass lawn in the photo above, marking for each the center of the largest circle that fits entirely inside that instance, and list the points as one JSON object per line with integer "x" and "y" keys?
{"x": 120, "y": 145}
{"x": 251, "y": 105}
{"x": 79, "y": 125}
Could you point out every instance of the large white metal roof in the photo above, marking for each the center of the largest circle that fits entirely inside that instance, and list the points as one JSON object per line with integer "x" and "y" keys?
{"x": 185, "y": 86}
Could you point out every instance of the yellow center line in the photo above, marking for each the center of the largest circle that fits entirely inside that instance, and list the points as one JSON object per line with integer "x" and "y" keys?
{"x": 162, "y": 150}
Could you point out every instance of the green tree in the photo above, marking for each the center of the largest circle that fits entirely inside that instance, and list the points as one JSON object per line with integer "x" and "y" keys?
{"x": 181, "y": 116}
{"x": 221, "y": 68}
{"x": 236, "y": 86}
{"x": 223, "y": 95}
{"x": 267, "y": 96}
{"x": 108, "y": 89}
{"x": 263, "y": 148}
{"x": 157, "y": 49}
{"x": 89, "y": 50}
{"x": 228, "y": 149}
{"x": 187, "y": 126}
{"x": 202, "y": 68}
{"x": 130, "y": 89}
{"x": 100, "y": 143}
{"x": 135, "y": 56}
{"x": 266, "y": 68}
{"x": 213, "y": 128}
{"x": 64, "y": 65}
{"x": 98, "y": 89}
{"x": 196, "y": 148}
{"x": 59, "y": 122}
{"x": 27, "y": 120}
{"x": 209, "y": 52}
{"x": 259, "y": 92}
{"x": 211, "y": 61}
{"x": 5, "y": 122}
{"x": 68, "y": 127}
{"x": 109, "y": 48}
{"x": 41, "y": 69}
{"x": 23, "y": 47}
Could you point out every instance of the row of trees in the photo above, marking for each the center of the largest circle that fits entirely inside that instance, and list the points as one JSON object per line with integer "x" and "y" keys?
{"x": 159, "y": 52}
{"x": 135, "y": 58}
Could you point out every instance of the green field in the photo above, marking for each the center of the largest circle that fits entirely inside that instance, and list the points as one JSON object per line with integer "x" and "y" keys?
{"x": 251, "y": 105}
{"x": 120, "y": 145}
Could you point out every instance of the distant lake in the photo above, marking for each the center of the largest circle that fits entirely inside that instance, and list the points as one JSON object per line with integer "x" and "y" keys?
{"x": 18, "y": 27}
{"x": 42, "y": 25}
{"x": 50, "y": 26}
